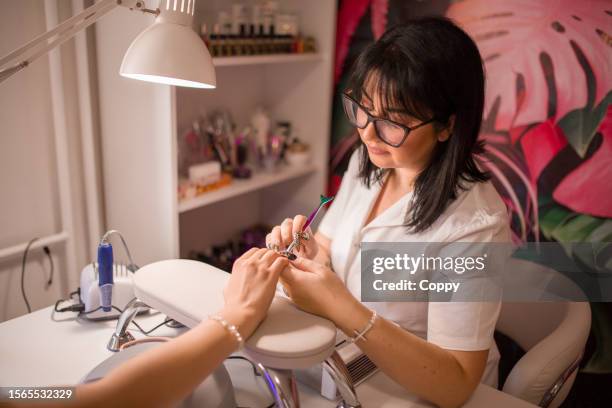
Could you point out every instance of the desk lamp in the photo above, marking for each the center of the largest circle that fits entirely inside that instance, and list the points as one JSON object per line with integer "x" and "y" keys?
{"x": 167, "y": 52}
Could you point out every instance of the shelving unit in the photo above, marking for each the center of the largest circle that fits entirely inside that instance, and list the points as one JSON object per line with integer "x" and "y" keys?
{"x": 265, "y": 59}
{"x": 141, "y": 123}
{"x": 238, "y": 187}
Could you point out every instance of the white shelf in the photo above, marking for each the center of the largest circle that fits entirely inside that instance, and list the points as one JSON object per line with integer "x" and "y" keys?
{"x": 237, "y": 187}
{"x": 292, "y": 87}
{"x": 264, "y": 59}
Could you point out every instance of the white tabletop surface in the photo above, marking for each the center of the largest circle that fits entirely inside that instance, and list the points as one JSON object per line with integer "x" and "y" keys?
{"x": 45, "y": 348}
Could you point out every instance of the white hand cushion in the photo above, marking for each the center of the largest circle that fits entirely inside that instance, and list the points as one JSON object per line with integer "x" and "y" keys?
{"x": 189, "y": 291}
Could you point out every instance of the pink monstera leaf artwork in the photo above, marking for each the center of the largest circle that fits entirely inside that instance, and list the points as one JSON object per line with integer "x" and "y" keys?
{"x": 543, "y": 58}
{"x": 548, "y": 67}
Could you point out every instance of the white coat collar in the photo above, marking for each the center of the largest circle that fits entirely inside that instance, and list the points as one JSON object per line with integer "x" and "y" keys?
{"x": 391, "y": 217}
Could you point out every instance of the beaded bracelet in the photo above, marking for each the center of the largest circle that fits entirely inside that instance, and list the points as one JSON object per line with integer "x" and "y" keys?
{"x": 230, "y": 328}
{"x": 361, "y": 335}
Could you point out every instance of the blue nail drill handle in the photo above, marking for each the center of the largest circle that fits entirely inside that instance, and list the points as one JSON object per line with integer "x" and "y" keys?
{"x": 105, "y": 275}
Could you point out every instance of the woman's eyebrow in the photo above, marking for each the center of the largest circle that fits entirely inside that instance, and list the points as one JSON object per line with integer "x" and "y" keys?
{"x": 390, "y": 110}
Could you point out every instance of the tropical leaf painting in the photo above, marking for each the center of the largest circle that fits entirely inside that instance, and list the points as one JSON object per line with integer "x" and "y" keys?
{"x": 544, "y": 58}
{"x": 548, "y": 114}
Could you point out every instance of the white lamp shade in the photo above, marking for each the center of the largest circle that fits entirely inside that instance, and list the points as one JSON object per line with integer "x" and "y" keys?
{"x": 170, "y": 54}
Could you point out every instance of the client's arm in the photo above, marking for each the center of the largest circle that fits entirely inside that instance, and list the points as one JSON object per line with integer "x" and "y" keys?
{"x": 165, "y": 375}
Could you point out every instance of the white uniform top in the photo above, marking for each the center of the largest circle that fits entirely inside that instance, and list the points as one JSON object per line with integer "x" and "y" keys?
{"x": 477, "y": 215}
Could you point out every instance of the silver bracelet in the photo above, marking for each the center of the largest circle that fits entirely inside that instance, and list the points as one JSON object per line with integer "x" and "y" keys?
{"x": 230, "y": 328}
{"x": 361, "y": 335}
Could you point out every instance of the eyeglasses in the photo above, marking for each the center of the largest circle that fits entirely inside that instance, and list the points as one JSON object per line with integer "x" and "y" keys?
{"x": 390, "y": 132}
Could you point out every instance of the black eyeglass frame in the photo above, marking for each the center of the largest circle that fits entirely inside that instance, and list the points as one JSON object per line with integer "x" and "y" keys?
{"x": 374, "y": 119}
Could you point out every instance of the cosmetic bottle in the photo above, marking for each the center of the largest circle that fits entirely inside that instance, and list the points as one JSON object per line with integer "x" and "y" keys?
{"x": 309, "y": 45}
{"x": 249, "y": 42}
{"x": 231, "y": 45}
{"x": 214, "y": 41}
{"x": 241, "y": 41}
{"x": 261, "y": 41}
{"x": 298, "y": 44}
{"x": 287, "y": 28}
{"x": 204, "y": 35}
{"x": 225, "y": 25}
{"x": 275, "y": 42}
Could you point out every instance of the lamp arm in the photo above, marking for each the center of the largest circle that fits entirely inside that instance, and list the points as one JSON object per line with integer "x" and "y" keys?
{"x": 25, "y": 55}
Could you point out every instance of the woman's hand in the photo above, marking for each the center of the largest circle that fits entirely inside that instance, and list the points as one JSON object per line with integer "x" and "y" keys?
{"x": 317, "y": 289}
{"x": 251, "y": 287}
{"x": 281, "y": 237}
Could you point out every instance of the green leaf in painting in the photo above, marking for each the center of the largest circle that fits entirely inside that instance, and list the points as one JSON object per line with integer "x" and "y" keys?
{"x": 580, "y": 125}
{"x": 576, "y": 229}
{"x": 551, "y": 219}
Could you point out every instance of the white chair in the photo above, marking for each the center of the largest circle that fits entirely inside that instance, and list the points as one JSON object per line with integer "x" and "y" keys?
{"x": 553, "y": 334}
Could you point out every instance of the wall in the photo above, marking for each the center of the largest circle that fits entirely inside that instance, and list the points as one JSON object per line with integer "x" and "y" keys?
{"x": 28, "y": 177}
{"x": 137, "y": 135}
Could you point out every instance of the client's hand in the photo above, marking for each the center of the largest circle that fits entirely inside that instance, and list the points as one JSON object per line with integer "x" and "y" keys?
{"x": 317, "y": 289}
{"x": 251, "y": 287}
{"x": 282, "y": 235}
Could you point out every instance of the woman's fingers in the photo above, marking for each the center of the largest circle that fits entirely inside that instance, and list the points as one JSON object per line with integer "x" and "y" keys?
{"x": 286, "y": 232}
{"x": 289, "y": 274}
{"x": 245, "y": 256}
{"x": 269, "y": 241}
{"x": 269, "y": 257}
{"x": 282, "y": 235}
{"x": 278, "y": 265}
{"x": 256, "y": 256}
{"x": 276, "y": 239}
{"x": 298, "y": 224}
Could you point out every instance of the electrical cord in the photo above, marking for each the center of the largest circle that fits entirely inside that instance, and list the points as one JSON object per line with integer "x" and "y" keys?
{"x": 132, "y": 266}
{"x": 255, "y": 373}
{"x": 23, "y": 265}
{"x": 80, "y": 309}
{"x": 51, "y": 265}
{"x": 23, "y": 269}
{"x": 145, "y": 332}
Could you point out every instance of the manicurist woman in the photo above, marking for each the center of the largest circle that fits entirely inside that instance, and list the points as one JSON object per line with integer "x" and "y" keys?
{"x": 416, "y": 97}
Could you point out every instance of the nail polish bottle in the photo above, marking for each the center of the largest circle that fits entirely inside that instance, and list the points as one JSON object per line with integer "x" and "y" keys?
{"x": 214, "y": 42}
{"x": 204, "y": 35}
{"x": 261, "y": 40}
{"x": 250, "y": 41}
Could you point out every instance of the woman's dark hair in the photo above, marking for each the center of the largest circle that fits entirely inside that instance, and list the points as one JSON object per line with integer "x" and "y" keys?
{"x": 432, "y": 69}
